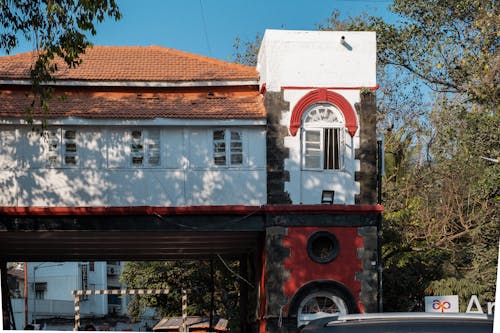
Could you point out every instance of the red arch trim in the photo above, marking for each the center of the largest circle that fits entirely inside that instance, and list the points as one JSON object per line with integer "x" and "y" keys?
{"x": 324, "y": 96}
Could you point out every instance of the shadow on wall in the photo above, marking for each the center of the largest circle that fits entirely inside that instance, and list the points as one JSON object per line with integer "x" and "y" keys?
{"x": 96, "y": 180}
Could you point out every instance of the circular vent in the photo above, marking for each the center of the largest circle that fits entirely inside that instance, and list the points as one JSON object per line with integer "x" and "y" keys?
{"x": 322, "y": 247}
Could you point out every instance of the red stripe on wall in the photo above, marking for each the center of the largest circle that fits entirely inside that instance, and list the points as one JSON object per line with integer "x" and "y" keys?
{"x": 193, "y": 210}
{"x": 331, "y": 88}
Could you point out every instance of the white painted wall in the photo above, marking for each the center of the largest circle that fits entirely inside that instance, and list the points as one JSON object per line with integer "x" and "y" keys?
{"x": 301, "y": 61}
{"x": 105, "y": 176}
{"x": 317, "y": 58}
{"x": 61, "y": 279}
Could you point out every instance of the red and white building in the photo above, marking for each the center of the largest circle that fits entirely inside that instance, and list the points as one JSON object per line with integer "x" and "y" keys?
{"x": 152, "y": 154}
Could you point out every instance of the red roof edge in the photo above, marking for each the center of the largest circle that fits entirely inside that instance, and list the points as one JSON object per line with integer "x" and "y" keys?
{"x": 193, "y": 210}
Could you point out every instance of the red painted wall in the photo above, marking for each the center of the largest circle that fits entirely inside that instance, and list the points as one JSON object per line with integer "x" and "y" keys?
{"x": 303, "y": 269}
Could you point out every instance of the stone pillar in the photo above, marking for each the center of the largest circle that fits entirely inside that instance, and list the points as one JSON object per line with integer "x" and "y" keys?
{"x": 6, "y": 311}
{"x": 275, "y": 149}
{"x": 367, "y": 152}
{"x": 275, "y": 278}
{"x": 369, "y": 275}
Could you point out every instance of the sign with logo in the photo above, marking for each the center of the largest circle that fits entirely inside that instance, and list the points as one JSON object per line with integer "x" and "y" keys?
{"x": 441, "y": 303}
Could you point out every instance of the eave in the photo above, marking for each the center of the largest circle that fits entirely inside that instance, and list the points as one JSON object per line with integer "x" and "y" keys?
{"x": 132, "y": 84}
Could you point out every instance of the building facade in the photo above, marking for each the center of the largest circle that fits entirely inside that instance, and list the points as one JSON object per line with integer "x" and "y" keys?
{"x": 46, "y": 297}
{"x": 321, "y": 148}
{"x": 152, "y": 153}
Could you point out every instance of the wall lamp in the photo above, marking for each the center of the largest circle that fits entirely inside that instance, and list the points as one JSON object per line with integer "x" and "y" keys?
{"x": 327, "y": 197}
{"x": 345, "y": 43}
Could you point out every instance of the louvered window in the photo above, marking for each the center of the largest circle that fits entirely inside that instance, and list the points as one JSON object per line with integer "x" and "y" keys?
{"x": 145, "y": 148}
{"x": 61, "y": 147}
{"x": 222, "y": 139}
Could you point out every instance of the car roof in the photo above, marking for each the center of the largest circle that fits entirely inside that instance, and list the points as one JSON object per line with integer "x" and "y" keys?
{"x": 410, "y": 316}
{"x": 402, "y": 323}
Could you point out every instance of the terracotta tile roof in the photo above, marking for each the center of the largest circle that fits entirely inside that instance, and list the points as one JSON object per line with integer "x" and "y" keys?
{"x": 134, "y": 63}
{"x": 134, "y": 106}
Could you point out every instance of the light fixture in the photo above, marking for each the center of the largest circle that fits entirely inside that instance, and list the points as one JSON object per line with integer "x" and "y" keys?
{"x": 327, "y": 196}
{"x": 345, "y": 44}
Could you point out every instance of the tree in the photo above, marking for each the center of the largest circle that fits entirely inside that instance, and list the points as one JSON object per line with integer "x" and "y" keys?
{"x": 245, "y": 52}
{"x": 57, "y": 28}
{"x": 201, "y": 278}
{"x": 451, "y": 46}
{"x": 441, "y": 224}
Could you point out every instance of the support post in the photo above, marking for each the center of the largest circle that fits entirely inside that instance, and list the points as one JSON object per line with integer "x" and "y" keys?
{"x": 184, "y": 310}
{"x": 26, "y": 319}
{"x": 244, "y": 295}
{"x": 212, "y": 295}
{"x": 77, "y": 311}
{"x": 5, "y": 296}
{"x": 380, "y": 159}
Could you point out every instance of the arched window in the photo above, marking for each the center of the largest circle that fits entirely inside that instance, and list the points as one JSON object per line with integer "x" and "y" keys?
{"x": 323, "y": 128}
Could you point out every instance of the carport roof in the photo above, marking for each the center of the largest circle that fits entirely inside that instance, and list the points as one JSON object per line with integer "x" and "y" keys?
{"x": 158, "y": 233}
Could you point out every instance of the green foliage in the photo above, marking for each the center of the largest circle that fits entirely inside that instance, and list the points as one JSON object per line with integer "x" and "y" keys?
{"x": 406, "y": 276}
{"x": 451, "y": 46}
{"x": 447, "y": 208}
{"x": 57, "y": 28}
{"x": 245, "y": 52}
{"x": 192, "y": 275}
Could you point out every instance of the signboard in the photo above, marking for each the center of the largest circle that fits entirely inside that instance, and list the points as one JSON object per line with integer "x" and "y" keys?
{"x": 441, "y": 303}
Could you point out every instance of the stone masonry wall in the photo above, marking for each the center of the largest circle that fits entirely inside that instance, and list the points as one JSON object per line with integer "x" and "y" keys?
{"x": 275, "y": 149}
{"x": 367, "y": 152}
{"x": 368, "y": 276}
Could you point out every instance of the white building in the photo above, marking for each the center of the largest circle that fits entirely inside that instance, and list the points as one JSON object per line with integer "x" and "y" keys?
{"x": 155, "y": 154}
{"x": 50, "y": 286}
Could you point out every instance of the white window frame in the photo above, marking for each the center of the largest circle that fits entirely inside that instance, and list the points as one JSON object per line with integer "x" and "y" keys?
{"x": 57, "y": 143}
{"x": 320, "y": 118}
{"x": 228, "y": 143}
{"x": 68, "y": 152}
{"x": 146, "y": 148}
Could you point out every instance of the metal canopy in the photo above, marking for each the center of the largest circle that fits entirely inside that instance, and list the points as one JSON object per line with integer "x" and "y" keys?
{"x": 123, "y": 245}
{"x": 157, "y": 233}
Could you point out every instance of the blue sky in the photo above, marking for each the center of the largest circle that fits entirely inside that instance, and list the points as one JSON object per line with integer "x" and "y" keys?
{"x": 210, "y": 27}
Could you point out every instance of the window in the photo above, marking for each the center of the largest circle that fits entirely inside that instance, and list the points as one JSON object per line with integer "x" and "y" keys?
{"x": 70, "y": 153}
{"x": 227, "y": 138}
{"x": 54, "y": 147}
{"x": 322, "y": 137}
{"x": 153, "y": 147}
{"x": 145, "y": 148}
{"x": 40, "y": 289}
{"x": 137, "y": 149}
{"x": 322, "y": 247}
{"x": 62, "y": 147}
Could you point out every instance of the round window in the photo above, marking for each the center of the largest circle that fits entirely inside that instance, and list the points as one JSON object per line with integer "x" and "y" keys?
{"x": 322, "y": 247}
